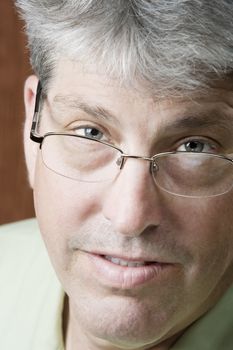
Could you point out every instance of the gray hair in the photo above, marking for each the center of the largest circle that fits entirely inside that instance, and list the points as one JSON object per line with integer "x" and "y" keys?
{"x": 173, "y": 46}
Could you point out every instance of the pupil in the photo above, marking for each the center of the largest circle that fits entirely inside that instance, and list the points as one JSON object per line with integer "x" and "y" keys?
{"x": 194, "y": 146}
{"x": 92, "y": 132}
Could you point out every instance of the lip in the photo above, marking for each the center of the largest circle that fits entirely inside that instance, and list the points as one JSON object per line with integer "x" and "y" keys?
{"x": 124, "y": 277}
{"x": 132, "y": 258}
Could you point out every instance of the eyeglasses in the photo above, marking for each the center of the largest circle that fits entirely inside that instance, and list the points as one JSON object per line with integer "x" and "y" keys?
{"x": 82, "y": 158}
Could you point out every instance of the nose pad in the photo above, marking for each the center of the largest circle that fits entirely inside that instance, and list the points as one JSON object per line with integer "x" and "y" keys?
{"x": 120, "y": 162}
{"x": 154, "y": 167}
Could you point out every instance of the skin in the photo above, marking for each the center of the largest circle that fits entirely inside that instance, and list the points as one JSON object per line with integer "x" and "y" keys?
{"x": 131, "y": 216}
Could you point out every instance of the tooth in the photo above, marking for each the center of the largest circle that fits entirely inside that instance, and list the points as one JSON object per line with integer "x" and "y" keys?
{"x": 115, "y": 261}
{"x": 124, "y": 262}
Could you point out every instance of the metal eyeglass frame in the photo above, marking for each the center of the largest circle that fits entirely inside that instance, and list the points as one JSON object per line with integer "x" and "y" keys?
{"x": 121, "y": 161}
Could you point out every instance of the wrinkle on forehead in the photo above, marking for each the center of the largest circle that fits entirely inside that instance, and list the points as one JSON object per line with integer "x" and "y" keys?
{"x": 139, "y": 106}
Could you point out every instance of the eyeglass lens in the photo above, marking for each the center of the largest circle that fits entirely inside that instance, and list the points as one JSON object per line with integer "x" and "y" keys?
{"x": 185, "y": 173}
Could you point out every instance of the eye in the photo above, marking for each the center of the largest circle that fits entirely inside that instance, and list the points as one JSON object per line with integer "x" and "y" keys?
{"x": 197, "y": 146}
{"x": 90, "y": 132}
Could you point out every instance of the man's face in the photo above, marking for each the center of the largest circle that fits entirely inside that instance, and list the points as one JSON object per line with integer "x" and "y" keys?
{"x": 188, "y": 241}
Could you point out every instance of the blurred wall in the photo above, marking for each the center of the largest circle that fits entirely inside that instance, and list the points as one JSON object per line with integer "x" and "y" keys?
{"x": 15, "y": 194}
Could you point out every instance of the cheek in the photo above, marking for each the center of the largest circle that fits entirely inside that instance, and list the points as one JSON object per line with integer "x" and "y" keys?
{"x": 205, "y": 228}
{"x": 62, "y": 206}
{"x": 60, "y": 200}
{"x": 203, "y": 219}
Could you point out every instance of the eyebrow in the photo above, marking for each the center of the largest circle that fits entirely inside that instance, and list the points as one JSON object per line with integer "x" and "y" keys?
{"x": 74, "y": 103}
{"x": 218, "y": 120}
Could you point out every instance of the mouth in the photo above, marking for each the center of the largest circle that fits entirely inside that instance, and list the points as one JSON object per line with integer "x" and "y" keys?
{"x": 127, "y": 273}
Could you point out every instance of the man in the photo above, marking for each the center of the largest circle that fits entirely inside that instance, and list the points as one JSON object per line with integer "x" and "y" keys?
{"x": 129, "y": 149}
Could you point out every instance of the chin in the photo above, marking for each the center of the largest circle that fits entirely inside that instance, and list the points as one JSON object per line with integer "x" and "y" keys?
{"x": 125, "y": 322}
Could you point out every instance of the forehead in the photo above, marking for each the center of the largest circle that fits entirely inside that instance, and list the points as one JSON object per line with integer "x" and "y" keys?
{"x": 74, "y": 84}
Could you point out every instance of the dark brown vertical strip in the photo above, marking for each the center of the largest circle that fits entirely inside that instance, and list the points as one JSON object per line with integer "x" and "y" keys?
{"x": 15, "y": 194}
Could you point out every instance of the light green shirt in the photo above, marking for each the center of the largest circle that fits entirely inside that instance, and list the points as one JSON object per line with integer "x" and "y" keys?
{"x": 31, "y": 299}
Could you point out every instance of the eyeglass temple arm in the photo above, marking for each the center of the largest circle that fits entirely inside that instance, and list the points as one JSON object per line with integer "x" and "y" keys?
{"x": 33, "y": 136}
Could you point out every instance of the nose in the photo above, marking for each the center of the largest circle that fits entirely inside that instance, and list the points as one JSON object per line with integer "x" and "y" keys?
{"x": 132, "y": 202}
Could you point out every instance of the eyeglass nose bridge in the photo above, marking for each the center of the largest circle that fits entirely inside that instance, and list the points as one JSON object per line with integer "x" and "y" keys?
{"x": 153, "y": 165}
